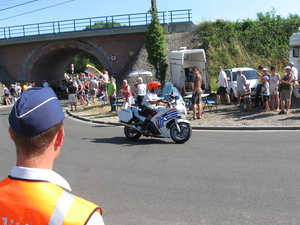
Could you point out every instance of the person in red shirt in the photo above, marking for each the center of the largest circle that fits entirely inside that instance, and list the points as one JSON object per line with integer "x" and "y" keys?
{"x": 127, "y": 94}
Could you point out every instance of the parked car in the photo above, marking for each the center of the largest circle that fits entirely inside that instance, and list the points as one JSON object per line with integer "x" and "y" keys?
{"x": 251, "y": 76}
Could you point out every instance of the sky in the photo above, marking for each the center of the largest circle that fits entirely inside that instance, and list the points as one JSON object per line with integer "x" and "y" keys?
{"x": 21, "y": 12}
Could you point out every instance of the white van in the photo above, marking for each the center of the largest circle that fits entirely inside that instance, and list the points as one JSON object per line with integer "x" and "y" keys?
{"x": 182, "y": 62}
{"x": 295, "y": 50}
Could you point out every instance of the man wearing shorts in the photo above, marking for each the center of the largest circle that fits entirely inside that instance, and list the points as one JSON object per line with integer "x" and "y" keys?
{"x": 240, "y": 81}
{"x": 72, "y": 89}
{"x": 93, "y": 89}
{"x": 196, "y": 97}
{"x": 286, "y": 90}
{"x": 223, "y": 84}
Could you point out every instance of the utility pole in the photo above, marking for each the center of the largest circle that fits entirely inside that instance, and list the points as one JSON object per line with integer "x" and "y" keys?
{"x": 153, "y": 5}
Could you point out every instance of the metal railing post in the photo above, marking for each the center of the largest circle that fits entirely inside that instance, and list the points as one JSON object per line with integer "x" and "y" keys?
{"x": 137, "y": 19}
{"x": 58, "y": 26}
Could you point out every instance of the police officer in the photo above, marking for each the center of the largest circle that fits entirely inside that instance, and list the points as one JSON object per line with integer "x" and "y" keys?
{"x": 33, "y": 193}
{"x": 149, "y": 102}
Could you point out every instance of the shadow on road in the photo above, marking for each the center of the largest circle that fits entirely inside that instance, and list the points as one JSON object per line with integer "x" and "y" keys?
{"x": 123, "y": 141}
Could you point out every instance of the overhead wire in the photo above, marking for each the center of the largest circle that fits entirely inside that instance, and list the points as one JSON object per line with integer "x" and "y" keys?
{"x": 18, "y": 5}
{"x": 36, "y": 10}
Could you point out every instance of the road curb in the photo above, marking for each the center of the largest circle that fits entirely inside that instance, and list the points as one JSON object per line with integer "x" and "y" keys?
{"x": 91, "y": 120}
{"x": 245, "y": 128}
{"x": 195, "y": 127}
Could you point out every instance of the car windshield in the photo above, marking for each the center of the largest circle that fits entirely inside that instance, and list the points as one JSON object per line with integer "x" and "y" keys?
{"x": 249, "y": 74}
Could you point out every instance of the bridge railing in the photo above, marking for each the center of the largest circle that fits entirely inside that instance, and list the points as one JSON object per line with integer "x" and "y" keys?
{"x": 104, "y": 22}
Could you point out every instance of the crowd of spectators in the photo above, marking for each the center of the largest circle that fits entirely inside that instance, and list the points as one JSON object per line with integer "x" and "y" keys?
{"x": 273, "y": 92}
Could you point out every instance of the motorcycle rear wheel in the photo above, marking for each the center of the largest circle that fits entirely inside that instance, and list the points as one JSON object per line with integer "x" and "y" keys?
{"x": 183, "y": 135}
{"x": 132, "y": 134}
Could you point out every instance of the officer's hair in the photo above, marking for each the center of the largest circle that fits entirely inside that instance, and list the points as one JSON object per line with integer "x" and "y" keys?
{"x": 35, "y": 145}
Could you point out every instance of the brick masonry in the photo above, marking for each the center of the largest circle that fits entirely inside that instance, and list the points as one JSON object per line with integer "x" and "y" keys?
{"x": 36, "y": 61}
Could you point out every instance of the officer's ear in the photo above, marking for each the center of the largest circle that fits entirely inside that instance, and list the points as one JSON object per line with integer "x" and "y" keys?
{"x": 60, "y": 137}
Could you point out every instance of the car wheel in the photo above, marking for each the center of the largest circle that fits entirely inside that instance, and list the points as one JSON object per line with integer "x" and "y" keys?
{"x": 232, "y": 96}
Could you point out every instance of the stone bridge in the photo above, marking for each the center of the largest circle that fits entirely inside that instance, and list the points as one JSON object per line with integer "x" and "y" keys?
{"x": 46, "y": 57}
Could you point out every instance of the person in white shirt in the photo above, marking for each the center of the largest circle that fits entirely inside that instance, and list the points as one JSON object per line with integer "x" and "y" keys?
{"x": 149, "y": 103}
{"x": 141, "y": 90}
{"x": 105, "y": 76}
{"x": 295, "y": 85}
{"x": 223, "y": 85}
{"x": 45, "y": 84}
{"x": 33, "y": 193}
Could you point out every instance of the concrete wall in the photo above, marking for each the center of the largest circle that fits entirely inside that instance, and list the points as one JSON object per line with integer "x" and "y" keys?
{"x": 173, "y": 42}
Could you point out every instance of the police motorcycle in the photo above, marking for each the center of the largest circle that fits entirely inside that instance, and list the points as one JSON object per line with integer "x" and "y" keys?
{"x": 168, "y": 122}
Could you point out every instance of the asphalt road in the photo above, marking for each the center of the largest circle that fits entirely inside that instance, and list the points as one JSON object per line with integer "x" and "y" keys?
{"x": 215, "y": 178}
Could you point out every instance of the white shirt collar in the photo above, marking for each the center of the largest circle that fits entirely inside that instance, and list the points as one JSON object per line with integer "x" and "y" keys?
{"x": 40, "y": 175}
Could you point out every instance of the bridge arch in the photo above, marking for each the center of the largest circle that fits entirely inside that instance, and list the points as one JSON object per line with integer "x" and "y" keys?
{"x": 53, "y": 58}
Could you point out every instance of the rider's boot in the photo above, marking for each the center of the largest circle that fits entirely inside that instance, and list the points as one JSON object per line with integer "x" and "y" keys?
{"x": 144, "y": 126}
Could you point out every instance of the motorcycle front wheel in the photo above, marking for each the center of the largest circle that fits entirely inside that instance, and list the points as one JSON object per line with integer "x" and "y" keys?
{"x": 132, "y": 134}
{"x": 183, "y": 135}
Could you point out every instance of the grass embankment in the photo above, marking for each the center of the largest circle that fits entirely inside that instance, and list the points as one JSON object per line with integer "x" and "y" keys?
{"x": 264, "y": 41}
{"x": 97, "y": 108}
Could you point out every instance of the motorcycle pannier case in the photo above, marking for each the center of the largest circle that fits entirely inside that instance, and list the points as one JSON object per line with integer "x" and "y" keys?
{"x": 125, "y": 115}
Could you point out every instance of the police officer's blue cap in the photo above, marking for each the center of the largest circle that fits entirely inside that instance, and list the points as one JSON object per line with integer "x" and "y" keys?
{"x": 37, "y": 110}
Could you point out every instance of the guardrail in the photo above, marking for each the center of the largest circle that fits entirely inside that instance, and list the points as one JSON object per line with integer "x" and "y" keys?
{"x": 95, "y": 23}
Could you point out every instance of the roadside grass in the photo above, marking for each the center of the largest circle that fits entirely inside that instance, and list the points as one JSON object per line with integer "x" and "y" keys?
{"x": 97, "y": 108}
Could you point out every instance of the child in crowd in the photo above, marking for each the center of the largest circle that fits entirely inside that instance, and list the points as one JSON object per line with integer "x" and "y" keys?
{"x": 265, "y": 90}
{"x": 247, "y": 98}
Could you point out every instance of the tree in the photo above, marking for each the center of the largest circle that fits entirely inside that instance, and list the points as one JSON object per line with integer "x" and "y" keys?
{"x": 155, "y": 45}
{"x": 81, "y": 60}
{"x": 264, "y": 41}
{"x": 101, "y": 25}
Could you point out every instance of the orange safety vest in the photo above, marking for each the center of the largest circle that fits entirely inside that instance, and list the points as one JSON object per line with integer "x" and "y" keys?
{"x": 28, "y": 202}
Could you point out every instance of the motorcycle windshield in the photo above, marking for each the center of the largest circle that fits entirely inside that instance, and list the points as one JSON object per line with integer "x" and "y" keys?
{"x": 171, "y": 90}
{"x": 177, "y": 93}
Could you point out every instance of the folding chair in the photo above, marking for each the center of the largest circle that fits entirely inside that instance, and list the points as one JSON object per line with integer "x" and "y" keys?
{"x": 210, "y": 101}
{"x": 118, "y": 106}
{"x": 101, "y": 99}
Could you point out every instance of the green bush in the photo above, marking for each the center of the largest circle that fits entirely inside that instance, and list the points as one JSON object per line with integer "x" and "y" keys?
{"x": 264, "y": 41}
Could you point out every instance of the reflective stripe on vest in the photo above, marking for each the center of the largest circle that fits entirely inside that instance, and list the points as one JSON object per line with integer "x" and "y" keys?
{"x": 35, "y": 202}
{"x": 61, "y": 209}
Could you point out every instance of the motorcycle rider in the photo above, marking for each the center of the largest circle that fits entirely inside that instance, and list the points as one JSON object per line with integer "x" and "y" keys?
{"x": 149, "y": 102}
